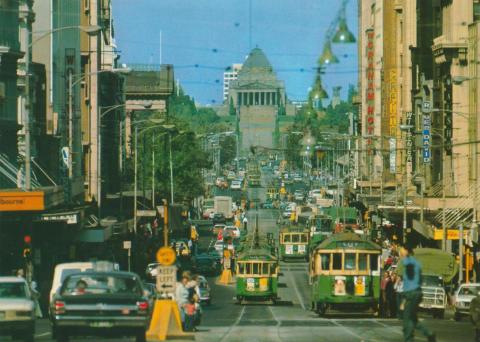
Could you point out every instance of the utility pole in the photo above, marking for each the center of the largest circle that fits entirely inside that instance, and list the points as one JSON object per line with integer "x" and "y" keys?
{"x": 135, "y": 183}
{"x": 28, "y": 152}
{"x": 171, "y": 167}
{"x": 70, "y": 125}
{"x": 153, "y": 170}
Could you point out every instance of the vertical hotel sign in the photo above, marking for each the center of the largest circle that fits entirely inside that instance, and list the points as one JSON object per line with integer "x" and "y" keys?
{"x": 370, "y": 95}
{"x": 392, "y": 119}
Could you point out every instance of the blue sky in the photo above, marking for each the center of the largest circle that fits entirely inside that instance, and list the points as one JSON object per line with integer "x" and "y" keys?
{"x": 202, "y": 37}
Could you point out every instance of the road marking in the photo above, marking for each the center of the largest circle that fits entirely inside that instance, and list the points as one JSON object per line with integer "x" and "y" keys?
{"x": 348, "y": 331}
{"x": 389, "y": 327}
{"x": 296, "y": 290}
{"x": 43, "y": 334}
{"x": 278, "y": 323}
{"x": 234, "y": 324}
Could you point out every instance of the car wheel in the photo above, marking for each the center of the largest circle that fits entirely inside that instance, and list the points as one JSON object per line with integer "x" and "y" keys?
{"x": 141, "y": 336}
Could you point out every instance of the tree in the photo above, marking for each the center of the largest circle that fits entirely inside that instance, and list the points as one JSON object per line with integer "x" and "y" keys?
{"x": 228, "y": 149}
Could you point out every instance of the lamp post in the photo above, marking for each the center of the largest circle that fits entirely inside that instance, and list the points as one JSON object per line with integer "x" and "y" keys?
{"x": 90, "y": 30}
{"x": 405, "y": 129}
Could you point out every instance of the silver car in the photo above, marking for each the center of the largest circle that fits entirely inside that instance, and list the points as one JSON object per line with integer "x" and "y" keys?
{"x": 17, "y": 309}
{"x": 463, "y": 297}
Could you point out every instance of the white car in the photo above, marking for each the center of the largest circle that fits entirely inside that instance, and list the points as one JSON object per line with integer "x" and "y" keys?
{"x": 17, "y": 315}
{"x": 219, "y": 246}
{"x": 463, "y": 297}
{"x": 232, "y": 230}
{"x": 236, "y": 185}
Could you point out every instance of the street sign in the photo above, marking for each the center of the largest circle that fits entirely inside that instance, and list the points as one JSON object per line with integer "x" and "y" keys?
{"x": 127, "y": 244}
{"x": 166, "y": 280}
{"x": 426, "y": 107}
{"x": 146, "y": 213}
{"x": 66, "y": 156}
{"x": 166, "y": 256}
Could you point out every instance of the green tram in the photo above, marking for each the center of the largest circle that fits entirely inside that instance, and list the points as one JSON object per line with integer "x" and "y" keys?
{"x": 321, "y": 228}
{"x": 257, "y": 276}
{"x": 257, "y": 269}
{"x": 293, "y": 243}
{"x": 344, "y": 272}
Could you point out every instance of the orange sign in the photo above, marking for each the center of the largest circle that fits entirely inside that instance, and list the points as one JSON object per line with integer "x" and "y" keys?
{"x": 22, "y": 201}
{"x": 166, "y": 256}
{"x": 452, "y": 234}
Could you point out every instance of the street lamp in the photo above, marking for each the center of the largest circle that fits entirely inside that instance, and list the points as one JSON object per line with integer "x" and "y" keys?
{"x": 90, "y": 30}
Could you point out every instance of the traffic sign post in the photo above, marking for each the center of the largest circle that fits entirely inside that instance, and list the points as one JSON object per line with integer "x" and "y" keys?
{"x": 128, "y": 246}
{"x": 226, "y": 278}
{"x": 166, "y": 321}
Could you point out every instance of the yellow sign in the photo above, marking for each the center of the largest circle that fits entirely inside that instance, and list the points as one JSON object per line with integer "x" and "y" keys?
{"x": 22, "y": 201}
{"x": 452, "y": 234}
{"x": 263, "y": 284}
{"x": 359, "y": 286}
{"x": 283, "y": 191}
{"x": 166, "y": 256}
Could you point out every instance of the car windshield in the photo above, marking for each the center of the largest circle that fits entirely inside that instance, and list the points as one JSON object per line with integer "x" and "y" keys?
{"x": 13, "y": 290}
{"x": 431, "y": 281}
{"x": 469, "y": 290}
{"x": 101, "y": 284}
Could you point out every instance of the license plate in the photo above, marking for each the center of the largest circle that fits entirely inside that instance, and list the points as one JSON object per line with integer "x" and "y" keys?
{"x": 101, "y": 324}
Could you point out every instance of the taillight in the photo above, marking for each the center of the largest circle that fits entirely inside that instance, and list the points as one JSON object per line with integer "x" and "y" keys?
{"x": 142, "y": 307}
{"x": 59, "y": 307}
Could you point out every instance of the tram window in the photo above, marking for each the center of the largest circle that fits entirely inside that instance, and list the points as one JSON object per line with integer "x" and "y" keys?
{"x": 248, "y": 268}
{"x": 241, "y": 268}
{"x": 350, "y": 261}
{"x": 304, "y": 238}
{"x": 325, "y": 262}
{"x": 337, "y": 261}
{"x": 362, "y": 262}
{"x": 295, "y": 238}
{"x": 373, "y": 262}
{"x": 286, "y": 238}
{"x": 265, "y": 269}
{"x": 256, "y": 268}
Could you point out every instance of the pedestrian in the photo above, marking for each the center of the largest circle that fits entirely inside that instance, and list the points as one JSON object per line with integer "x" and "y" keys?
{"x": 398, "y": 287}
{"x": 383, "y": 294}
{"x": 412, "y": 296}
{"x": 189, "y": 309}
{"x": 391, "y": 296}
{"x": 245, "y": 224}
{"x": 181, "y": 295}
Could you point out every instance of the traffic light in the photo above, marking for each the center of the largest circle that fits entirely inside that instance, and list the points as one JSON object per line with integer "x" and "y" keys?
{"x": 27, "y": 248}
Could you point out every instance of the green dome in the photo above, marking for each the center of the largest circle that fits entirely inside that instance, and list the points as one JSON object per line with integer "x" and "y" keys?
{"x": 257, "y": 60}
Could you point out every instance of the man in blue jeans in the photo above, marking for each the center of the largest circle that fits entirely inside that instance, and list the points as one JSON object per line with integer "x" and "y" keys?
{"x": 412, "y": 296}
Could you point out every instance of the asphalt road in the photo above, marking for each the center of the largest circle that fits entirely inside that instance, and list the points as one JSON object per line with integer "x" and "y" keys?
{"x": 291, "y": 319}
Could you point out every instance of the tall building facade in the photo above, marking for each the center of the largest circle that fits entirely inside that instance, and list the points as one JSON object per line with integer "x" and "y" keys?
{"x": 418, "y": 83}
{"x": 231, "y": 74}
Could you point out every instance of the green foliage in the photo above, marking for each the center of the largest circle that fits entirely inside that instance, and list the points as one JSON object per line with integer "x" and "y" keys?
{"x": 228, "y": 151}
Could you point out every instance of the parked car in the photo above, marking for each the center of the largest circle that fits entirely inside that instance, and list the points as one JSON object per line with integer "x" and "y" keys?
{"x": 207, "y": 264}
{"x": 462, "y": 299}
{"x": 17, "y": 309}
{"x": 205, "y": 291}
{"x": 236, "y": 185}
{"x": 268, "y": 204}
{"x": 231, "y": 231}
{"x": 218, "y": 218}
{"x": 231, "y": 175}
{"x": 299, "y": 195}
{"x": 100, "y": 304}
{"x": 218, "y": 228}
{"x": 219, "y": 246}
{"x": 63, "y": 270}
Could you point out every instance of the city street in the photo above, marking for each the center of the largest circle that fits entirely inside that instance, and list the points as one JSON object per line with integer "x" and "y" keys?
{"x": 291, "y": 319}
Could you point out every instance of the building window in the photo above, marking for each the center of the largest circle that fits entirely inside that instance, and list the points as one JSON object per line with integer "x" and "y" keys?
{"x": 257, "y": 98}
{"x": 262, "y": 98}
{"x": 250, "y": 99}
{"x": 245, "y": 99}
